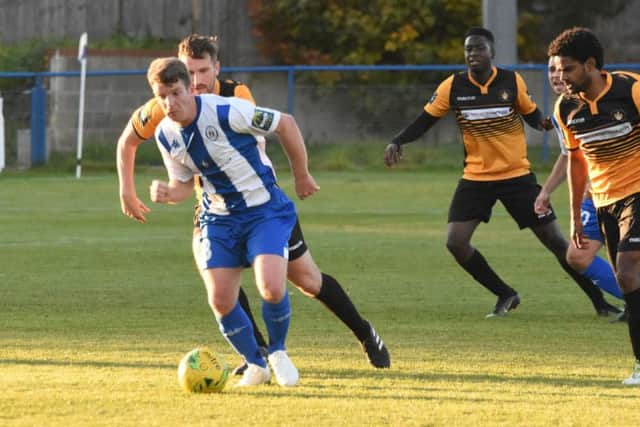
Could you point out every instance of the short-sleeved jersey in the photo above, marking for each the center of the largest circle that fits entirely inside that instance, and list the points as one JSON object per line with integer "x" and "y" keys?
{"x": 145, "y": 118}
{"x": 221, "y": 147}
{"x": 489, "y": 118}
{"x": 607, "y": 130}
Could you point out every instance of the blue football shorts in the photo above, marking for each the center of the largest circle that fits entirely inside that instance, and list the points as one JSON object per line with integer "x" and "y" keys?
{"x": 589, "y": 219}
{"x": 235, "y": 240}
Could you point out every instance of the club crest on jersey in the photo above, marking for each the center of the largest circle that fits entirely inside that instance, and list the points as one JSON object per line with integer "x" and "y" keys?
{"x": 262, "y": 119}
{"x": 504, "y": 95}
{"x": 618, "y": 115}
{"x": 211, "y": 133}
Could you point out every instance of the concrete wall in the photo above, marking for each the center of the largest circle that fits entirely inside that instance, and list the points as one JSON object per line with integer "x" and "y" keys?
{"x": 109, "y": 101}
{"x": 344, "y": 113}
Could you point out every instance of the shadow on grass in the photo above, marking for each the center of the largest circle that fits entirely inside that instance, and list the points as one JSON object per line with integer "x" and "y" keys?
{"x": 89, "y": 363}
{"x": 377, "y": 379}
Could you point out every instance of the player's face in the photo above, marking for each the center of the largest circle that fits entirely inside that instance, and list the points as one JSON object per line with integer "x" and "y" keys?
{"x": 573, "y": 74}
{"x": 477, "y": 53}
{"x": 557, "y": 85}
{"x": 176, "y": 101}
{"x": 203, "y": 71}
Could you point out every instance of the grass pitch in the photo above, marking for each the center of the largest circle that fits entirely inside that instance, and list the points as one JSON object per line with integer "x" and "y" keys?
{"x": 96, "y": 311}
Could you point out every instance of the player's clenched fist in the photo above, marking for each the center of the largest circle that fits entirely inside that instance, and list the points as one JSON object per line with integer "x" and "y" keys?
{"x": 159, "y": 191}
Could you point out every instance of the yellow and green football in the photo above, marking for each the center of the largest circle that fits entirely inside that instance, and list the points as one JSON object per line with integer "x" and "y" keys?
{"x": 203, "y": 371}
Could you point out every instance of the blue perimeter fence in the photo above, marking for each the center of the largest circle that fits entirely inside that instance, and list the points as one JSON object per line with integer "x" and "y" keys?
{"x": 38, "y": 116}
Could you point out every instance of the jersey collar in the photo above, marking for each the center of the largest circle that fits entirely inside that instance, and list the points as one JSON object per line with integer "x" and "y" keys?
{"x": 484, "y": 89}
{"x": 593, "y": 105}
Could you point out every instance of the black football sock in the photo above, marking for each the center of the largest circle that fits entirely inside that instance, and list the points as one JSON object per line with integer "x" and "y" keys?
{"x": 633, "y": 310}
{"x": 479, "y": 269}
{"x": 336, "y": 299}
{"x": 588, "y": 287}
{"x": 244, "y": 303}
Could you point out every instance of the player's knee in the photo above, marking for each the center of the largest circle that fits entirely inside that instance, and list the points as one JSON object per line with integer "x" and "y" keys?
{"x": 628, "y": 279}
{"x": 578, "y": 260}
{"x": 307, "y": 280}
{"x": 458, "y": 248}
{"x": 273, "y": 294}
{"x": 220, "y": 305}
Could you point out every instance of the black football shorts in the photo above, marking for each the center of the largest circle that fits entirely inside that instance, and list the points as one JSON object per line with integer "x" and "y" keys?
{"x": 475, "y": 199}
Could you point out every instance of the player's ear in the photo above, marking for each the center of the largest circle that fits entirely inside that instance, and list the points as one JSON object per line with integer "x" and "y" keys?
{"x": 590, "y": 63}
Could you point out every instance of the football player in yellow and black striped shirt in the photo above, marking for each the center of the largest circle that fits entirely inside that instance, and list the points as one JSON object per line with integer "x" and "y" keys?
{"x": 200, "y": 54}
{"x": 489, "y": 104}
{"x": 601, "y": 125}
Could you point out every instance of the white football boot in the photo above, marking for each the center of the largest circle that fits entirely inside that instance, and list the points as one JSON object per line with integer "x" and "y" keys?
{"x": 254, "y": 375}
{"x": 634, "y": 379}
{"x": 285, "y": 372}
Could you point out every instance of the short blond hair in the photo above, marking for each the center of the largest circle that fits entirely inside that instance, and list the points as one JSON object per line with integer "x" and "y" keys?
{"x": 168, "y": 71}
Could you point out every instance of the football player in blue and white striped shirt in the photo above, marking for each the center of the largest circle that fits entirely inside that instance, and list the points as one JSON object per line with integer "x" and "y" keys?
{"x": 246, "y": 219}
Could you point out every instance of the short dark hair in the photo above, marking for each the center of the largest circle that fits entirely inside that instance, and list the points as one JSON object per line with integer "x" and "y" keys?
{"x": 196, "y": 46}
{"x": 479, "y": 31}
{"x": 168, "y": 71}
{"x": 578, "y": 43}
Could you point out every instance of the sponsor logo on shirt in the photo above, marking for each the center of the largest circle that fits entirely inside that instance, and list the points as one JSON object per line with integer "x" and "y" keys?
{"x": 609, "y": 132}
{"x": 262, "y": 119}
{"x": 466, "y": 98}
{"x": 486, "y": 113}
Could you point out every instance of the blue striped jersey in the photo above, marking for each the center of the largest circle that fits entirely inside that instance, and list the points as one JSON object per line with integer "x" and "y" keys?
{"x": 221, "y": 146}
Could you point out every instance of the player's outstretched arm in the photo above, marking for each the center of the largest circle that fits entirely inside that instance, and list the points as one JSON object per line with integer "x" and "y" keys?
{"x": 537, "y": 120}
{"x": 171, "y": 192}
{"x": 130, "y": 204}
{"x": 422, "y": 123}
{"x": 293, "y": 145}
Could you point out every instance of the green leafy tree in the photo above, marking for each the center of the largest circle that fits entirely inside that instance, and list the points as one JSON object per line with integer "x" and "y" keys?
{"x": 369, "y": 32}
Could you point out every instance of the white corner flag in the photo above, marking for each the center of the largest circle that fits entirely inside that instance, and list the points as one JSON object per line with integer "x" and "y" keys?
{"x": 2, "y": 164}
{"x": 82, "y": 57}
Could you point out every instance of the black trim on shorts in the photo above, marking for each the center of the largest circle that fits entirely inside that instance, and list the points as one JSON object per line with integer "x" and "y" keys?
{"x": 297, "y": 245}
